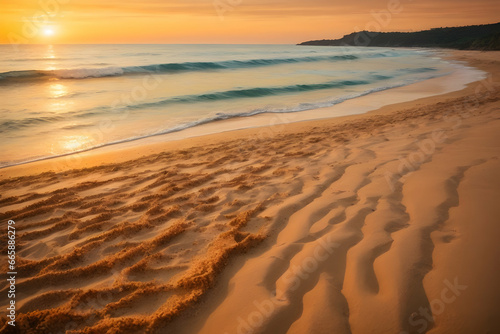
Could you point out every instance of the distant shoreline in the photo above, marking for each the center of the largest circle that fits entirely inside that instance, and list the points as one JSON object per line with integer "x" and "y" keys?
{"x": 479, "y": 37}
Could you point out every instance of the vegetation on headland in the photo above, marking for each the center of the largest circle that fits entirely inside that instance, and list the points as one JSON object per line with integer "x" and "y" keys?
{"x": 478, "y": 37}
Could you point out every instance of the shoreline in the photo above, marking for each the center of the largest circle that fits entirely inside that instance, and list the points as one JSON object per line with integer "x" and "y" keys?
{"x": 256, "y": 124}
{"x": 383, "y": 222}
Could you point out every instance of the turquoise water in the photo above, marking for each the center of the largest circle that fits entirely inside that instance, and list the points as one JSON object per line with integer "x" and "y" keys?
{"x": 58, "y": 99}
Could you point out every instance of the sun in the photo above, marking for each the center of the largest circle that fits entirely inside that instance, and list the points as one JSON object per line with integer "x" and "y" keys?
{"x": 48, "y": 31}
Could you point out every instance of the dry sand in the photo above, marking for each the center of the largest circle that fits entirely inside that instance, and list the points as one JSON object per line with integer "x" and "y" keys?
{"x": 386, "y": 222}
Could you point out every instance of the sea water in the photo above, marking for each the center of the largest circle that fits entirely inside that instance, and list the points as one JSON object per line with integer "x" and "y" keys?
{"x": 58, "y": 99}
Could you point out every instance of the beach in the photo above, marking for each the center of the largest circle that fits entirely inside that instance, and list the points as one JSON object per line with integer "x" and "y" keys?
{"x": 381, "y": 222}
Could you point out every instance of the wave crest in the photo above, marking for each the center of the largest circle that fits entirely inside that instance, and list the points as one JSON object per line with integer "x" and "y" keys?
{"x": 82, "y": 73}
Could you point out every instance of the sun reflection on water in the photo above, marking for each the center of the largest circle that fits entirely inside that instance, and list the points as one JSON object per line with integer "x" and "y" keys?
{"x": 58, "y": 101}
{"x": 57, "y": 90}
{"x": 75, "y": 143}
{"x": 50, "y": 56}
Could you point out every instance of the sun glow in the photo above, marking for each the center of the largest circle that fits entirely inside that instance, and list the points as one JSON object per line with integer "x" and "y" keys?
{"x": 48, "y": 31}
{"x": 224, "y": 21}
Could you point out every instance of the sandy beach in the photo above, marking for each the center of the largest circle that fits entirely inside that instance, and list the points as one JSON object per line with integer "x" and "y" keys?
{"x": 384, "y": 222}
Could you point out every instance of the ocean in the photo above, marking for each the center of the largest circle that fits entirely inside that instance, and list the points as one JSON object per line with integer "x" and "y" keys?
{"x": 59, "y": 99}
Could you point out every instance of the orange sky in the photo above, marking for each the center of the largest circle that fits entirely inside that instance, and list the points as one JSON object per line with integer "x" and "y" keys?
{"x": 226, "y": 21}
